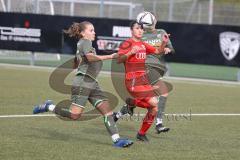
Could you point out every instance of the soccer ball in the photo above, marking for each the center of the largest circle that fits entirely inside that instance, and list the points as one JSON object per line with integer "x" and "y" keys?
{"x": 147, "y": 19}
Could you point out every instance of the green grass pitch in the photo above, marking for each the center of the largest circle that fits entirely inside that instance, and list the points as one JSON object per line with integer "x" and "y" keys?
{"x": 49, "y": 138}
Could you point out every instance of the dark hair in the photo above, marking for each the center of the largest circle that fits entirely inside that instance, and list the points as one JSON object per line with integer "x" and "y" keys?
{"x": 76, "y": 62}
{"x": 133, "y": 23}
{"x": 76, "y": 28}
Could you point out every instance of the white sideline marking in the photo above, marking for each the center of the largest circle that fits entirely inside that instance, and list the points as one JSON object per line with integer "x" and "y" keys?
{"x": 208, "y": 114}
{"x": 207, "y": 81}
{"x": 50, "y": 69}
{"x": 178, "y": 114}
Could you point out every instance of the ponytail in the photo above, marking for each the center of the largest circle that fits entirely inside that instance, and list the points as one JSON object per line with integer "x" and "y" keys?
{"x": 75, "y": 30}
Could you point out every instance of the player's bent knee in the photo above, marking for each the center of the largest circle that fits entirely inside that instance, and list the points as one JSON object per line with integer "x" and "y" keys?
{"x": 75, "y": 116}
{"x": 76, "y": 112}
{"x": 153, "y": 101}
{"x": 154, "y": 110}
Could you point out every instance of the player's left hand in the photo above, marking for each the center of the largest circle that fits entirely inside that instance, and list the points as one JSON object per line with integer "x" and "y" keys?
{"x": 114, "y": 55}
{"x": 167, "y": 50}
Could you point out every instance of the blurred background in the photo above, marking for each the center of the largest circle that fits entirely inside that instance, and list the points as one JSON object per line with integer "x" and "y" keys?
{"x": 202, "y": 109}
{"x": 224, "y": 12}
{"x": 195, "y": 27}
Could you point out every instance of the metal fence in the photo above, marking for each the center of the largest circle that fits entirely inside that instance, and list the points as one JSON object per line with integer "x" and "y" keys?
{"x": 190, "y": 11}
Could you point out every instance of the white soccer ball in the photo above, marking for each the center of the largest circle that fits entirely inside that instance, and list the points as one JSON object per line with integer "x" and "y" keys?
{"x": 147, "y": 19}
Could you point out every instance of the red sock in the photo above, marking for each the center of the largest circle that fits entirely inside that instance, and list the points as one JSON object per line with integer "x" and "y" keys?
{"x": 147, "y": 122}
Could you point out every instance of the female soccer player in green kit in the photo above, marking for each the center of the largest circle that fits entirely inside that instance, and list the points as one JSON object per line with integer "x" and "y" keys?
{"x": 156, "y": 69}
{"x": 85, "y": 85}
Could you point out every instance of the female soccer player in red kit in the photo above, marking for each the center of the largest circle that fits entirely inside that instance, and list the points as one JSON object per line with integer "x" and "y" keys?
{"x": 133, "y": 53}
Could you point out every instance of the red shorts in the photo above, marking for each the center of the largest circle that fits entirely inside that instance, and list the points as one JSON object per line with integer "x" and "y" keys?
{"x": 140, "y": 88}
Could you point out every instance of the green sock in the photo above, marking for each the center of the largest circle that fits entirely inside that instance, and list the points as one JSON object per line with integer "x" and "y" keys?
{"x": 111, "y": 127}
{"x": 161, "y": 107}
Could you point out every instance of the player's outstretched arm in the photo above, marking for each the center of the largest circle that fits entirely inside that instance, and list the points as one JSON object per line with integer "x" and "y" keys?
{"x": 93, "y": 58}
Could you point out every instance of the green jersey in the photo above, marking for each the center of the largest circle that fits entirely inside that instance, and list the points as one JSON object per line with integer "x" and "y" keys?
{"x": 155, "y": 39}
{"x": 85, "y": 67}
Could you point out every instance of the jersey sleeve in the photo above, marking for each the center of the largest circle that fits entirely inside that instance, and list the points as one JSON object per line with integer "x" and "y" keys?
{"x": 124, "y": 47}
{"x": 84, "y": 47}
{"x": 149, "y": 49}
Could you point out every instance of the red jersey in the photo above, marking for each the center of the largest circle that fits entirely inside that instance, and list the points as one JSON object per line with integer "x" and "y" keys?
{"x": 135, "y": 64}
